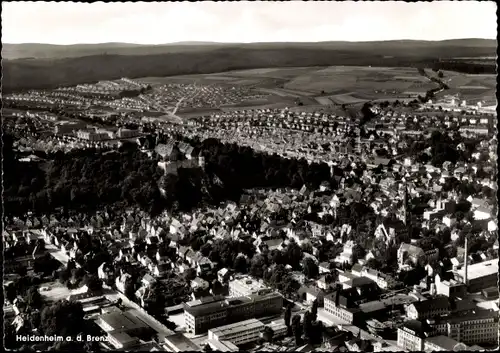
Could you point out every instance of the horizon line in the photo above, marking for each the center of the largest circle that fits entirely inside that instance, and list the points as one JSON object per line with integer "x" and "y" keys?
{"x": 201, "y": 42}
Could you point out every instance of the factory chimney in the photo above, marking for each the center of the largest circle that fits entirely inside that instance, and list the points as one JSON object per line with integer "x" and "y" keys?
{"x": 466, "y": 261}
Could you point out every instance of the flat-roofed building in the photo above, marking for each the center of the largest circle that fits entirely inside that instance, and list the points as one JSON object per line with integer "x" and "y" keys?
{"x": 480, "y": 276}
{"x": 222, "y": 346}
{"x": 279, "y": 328}
{"x": 246, "y": 285}
{"x": 122, "y": 340}
{"x": 238, "y": 333}
{"x": 440, "y": 343}
{"x": 180, "y": 343}
{"x": 200, "y": 316}
{"x": 123, "y": 328}
{"x": 451, "y": 288}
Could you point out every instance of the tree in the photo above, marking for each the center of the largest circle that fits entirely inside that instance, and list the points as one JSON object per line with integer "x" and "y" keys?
{"x": 207, "y": 348}
{"x": 310, "y": 268}
{"x": 314, "y": 309}
{"x": 93, "y": 283}
{"x": 22, "y": 271}
{"x": 240, "y": 264}
{"x": 297, "y": 330}
{"x": 268, "y": 334}
{"x": 190, "y": 274}
{"x": 10, "y": 292}
{"x": 33, "y": 298}
{"x": 288, "y": 316}
{"x": 62, "y": 318}
{"x": 307, "y": 326}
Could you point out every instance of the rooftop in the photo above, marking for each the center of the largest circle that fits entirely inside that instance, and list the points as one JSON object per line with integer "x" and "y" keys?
{"x": 181, "y": 343}
{"x": 122, "y": 321}
{"x": 237, "y": 327}
{"x": 479, "y": 270}
{"x": 218, "y": 305}
{"x": 444, "y": 342}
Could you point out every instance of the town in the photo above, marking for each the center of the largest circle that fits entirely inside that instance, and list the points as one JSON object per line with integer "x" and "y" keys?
{"x": 379, "y": 235}
{"x": 258, "y": 177}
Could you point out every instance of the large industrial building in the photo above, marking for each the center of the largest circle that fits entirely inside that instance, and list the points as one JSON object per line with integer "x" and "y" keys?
{"x": 479, "y": 276}
{"x": 238, "y": 333}
{"x": 202, "y": 315}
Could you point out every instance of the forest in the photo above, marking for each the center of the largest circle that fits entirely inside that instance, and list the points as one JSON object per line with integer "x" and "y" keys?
{"x": 86, "y": 180}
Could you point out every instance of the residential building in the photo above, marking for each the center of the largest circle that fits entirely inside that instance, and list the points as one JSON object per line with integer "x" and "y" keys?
{"x": 480, "y": 327}
{"x": 383, "y": 280}
{"x": 238, "y": 333}
{"x": 408, "y": 252}
{"x": 411, "y": 336}
{"x": 335, "y": 304}
{"x": 428, "y": 308}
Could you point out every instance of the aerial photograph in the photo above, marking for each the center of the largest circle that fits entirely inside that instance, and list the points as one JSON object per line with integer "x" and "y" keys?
{"x": 250, "y": 176}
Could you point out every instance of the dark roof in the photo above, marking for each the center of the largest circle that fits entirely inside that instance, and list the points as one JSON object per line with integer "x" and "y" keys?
{"x": 123, "y": 321}
{"x": 220, "y": 304}
{"x": 415, "y": 326}
{"x": 440, "y": 302}
{"x": 360, "y": 281}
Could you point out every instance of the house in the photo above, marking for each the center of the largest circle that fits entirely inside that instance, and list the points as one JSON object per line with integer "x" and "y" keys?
{"x": 427, "y": 309}
{"x": 162, "y": 268}
{"x": 199, "y": 283}
{"x": 148, "y": 280}
{"x": 313, "y": 293}
{"x": 410, "y": 253}
{"x": 325, "y": 282}
{"x": 324, "y": 267}
{"x": 204, "y": 267}
{"x": 104, "y": 271}
{"x": 223, "y": 275}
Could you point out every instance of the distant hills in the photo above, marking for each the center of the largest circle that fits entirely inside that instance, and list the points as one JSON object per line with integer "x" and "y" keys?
{"x": 31, "y": 65}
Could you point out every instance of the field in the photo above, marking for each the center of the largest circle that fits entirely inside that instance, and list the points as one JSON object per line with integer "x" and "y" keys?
{"x": 327, "y": 87}
{"x": 472, "y": 88}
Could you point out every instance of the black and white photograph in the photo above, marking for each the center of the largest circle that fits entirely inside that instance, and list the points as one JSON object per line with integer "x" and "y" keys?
{"x": 254, "y": 176}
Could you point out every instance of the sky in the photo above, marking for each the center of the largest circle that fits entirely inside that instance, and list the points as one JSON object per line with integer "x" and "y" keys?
{"x": 244, "y": 22}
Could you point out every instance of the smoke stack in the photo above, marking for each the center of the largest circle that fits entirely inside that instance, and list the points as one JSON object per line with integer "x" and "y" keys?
{"x": 466, "y": 261}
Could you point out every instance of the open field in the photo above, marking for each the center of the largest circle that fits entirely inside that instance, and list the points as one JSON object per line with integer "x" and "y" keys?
{"x": 327, "y": 87}
{"x": 472, "y": 88}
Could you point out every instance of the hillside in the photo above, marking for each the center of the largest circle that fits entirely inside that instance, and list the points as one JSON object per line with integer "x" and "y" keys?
{"x": 71, "y": 65}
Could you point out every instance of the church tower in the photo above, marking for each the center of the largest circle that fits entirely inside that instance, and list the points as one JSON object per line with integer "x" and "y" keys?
{"x": 406, "y": 213}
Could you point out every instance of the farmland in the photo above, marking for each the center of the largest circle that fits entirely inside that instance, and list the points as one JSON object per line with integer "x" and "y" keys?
{"x": 327, "y": 87}
{"x": 472, "y": 88}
